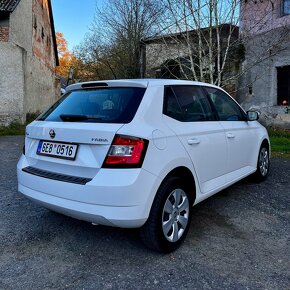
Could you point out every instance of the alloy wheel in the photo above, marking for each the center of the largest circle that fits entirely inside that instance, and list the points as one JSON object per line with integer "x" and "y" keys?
{"x": 264, "y": 161}
{"x": 175, "y": 216}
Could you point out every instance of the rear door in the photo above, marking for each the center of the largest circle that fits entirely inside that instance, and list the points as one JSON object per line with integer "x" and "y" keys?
{"x": 188, "y": 113}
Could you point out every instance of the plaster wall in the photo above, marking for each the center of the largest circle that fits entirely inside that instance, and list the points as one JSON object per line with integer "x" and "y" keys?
{"x": 41, "y": 89}
{"x": 21, "y": 25}
{"x": 261, "y": 16}
{"x": 11, "y": 83}
{"x": 40, "y": 86}
{"x": 258, "y": 83}
{"x": 27, "y": 62}
{"x": 264, "y": 53}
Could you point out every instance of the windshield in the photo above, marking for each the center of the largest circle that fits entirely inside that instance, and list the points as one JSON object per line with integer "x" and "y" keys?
{"x": 105, "y": 105}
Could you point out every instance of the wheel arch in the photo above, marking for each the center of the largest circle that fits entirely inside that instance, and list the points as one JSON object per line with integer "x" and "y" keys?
{"x": 185, "y": 174}
{"x": 265, "y": 141}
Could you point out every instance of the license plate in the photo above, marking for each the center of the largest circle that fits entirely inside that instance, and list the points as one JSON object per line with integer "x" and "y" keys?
{"x": 57, "y": 149}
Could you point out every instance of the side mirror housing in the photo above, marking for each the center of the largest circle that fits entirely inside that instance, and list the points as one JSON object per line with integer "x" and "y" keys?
{"x": 253, "y": 115}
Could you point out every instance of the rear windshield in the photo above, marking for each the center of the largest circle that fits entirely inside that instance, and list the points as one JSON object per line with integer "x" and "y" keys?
{"x": 105, "y": 105}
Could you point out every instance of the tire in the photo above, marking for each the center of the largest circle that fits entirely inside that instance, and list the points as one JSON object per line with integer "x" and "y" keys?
{"x": 169, "y": 218}
{"x": 263, "y": 164}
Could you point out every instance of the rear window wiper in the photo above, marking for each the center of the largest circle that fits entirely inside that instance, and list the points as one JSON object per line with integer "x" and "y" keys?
{"x": 76, "y": 118}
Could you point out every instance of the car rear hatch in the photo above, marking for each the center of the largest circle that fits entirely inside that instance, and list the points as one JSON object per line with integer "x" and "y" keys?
{"x": 73, "y": 137}
{"x": 92, "y": 142}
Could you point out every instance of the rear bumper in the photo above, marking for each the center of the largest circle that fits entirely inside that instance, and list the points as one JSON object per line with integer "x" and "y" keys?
{"x": 115, "y": 197}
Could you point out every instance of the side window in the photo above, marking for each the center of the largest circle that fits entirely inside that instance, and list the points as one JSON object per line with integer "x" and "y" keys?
{"x": 187, "y": 104}
{"x": 226, "y": 108}
{"x": 171, "y": 105}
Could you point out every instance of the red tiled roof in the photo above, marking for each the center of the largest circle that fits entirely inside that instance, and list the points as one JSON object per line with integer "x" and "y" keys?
{"x": 8, "y": 5}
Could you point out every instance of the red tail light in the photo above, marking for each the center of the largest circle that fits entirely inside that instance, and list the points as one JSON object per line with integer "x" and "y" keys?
{"x": 126, "y": 152}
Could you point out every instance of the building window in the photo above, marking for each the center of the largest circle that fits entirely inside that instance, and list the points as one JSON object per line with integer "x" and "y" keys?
{"x": 285, "y": 7}
{"x": 283, "y": 85}
{"x": 48, "y": 41}
{"x": 34, "y": 22}
{"x": 42, "y": 32}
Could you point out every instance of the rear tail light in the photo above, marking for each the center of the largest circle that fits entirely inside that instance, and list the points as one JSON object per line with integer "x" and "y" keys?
{"x": 126, "y": 152}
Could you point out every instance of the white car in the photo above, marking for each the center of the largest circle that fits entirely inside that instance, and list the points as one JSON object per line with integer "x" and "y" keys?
{"x": 140, "y": 153}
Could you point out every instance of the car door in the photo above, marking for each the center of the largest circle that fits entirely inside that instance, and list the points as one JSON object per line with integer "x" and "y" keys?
{"x": 240, "y": 134}
{"x": 188, "y": 113}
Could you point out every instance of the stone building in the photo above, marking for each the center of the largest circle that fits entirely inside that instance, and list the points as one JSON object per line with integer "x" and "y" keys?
{"x": 167, "y": 56}
{"x": 265, "y": 80}
{"x": 28, "y": 56}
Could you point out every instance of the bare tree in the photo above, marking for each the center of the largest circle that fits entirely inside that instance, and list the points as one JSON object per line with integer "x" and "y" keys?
{"x": 202, "y": 33}
{"x": 202, "y": 40}
{"x": 115, "y": 35}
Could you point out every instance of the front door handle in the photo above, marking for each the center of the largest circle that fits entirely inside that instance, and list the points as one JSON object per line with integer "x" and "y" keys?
{"x": 230, "y": 135}
{"x": 193, "y": 141}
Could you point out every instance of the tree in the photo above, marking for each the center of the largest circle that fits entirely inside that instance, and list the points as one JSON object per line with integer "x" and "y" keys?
{"x": 114, "y": 41}
{"x": 65, "y": 57}
{"x": 201, "y": 40}
{"x": 203, "y": 33}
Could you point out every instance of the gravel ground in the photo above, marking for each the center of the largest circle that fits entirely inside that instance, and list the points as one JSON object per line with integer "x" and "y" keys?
{"x": 239, "y": 239}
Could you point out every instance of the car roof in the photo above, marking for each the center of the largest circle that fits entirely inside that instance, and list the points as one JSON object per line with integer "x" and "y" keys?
{"x": 142, "y": 83}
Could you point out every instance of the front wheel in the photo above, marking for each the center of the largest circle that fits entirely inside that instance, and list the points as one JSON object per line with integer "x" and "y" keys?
{"x": 263, "y": 164}
{"x": 170, "y": 217}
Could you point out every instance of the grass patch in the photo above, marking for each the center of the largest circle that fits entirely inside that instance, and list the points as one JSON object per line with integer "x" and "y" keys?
{"x": 13, "y": 129}
{"x": 17, "y": 128}
{"x": 280, "y": 142}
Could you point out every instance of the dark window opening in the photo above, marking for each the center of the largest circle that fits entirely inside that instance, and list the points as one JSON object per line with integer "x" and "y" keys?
{"x": 42, "y": 33}
{"x": 170, "y": 69}
{"x": 4, "y": 19}
{"x": 48, "y": 41}
{"x": 283, "y": 85}
{"x": 34, "y": 22}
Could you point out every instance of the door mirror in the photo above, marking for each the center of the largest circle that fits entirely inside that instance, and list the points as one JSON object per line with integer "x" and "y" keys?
{"x": 253, "y": 115}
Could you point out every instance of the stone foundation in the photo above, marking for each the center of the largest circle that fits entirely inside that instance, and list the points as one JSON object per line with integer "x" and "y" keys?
{"x": 276, "y": 116}
{"x": 4, "y": 34}
{"x": 7, "y": 119}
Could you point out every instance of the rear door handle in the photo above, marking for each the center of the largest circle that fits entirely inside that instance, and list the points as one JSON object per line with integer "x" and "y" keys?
{"x": 193, "y": 141}
{"x": 230, "y": 135}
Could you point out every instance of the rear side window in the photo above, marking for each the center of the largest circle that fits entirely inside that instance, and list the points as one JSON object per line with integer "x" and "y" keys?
{"x": 187, "y": 104}
{"x": 226, "y": 108}
{"x": 105, "y": 105}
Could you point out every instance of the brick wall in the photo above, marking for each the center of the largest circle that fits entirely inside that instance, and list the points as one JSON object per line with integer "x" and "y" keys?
{"x": 42, "y": 35}
{"x": 4, "y": 34}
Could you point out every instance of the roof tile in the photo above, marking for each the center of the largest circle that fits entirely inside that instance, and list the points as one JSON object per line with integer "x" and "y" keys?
{"x": 8, "y": 5}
